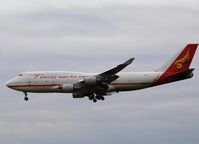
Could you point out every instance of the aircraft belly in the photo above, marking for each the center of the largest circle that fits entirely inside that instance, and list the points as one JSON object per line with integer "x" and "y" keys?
{"x": 35, "y": 89}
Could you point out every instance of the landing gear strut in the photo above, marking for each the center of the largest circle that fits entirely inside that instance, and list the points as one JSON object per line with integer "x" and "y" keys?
{"x": 26, "y": 96}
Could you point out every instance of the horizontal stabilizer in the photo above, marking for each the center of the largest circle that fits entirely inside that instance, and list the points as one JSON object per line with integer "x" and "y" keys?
{"x": 182, "y": 74}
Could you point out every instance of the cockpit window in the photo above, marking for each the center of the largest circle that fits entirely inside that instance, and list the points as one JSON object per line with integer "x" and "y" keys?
{"x": 20, "y": 74}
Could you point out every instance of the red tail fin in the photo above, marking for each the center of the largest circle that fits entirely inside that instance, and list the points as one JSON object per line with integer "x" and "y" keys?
{"x": 180, "y": 62}
{"x": 183, "y": 61}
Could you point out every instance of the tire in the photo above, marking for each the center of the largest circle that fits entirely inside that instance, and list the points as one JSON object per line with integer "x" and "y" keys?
{"x": 26, "y": 98}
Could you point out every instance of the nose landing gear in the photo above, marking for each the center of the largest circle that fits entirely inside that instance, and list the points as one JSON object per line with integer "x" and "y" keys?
{"x": 26, "y": 96}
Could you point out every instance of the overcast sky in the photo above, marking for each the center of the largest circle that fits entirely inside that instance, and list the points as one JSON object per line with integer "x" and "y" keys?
{"x": 93, "y": 36}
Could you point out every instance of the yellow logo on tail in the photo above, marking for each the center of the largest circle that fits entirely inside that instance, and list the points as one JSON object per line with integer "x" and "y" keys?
{"x": 183, "y": 60}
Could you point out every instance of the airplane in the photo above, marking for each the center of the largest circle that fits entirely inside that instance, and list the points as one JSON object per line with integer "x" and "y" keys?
{"x": 97, "y": 85}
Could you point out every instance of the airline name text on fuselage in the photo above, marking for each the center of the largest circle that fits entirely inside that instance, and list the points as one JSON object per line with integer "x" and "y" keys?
{"x": 55, "y": 77}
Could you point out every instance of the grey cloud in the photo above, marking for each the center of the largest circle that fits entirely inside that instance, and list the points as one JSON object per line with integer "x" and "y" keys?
{"x": 126, "y": 29}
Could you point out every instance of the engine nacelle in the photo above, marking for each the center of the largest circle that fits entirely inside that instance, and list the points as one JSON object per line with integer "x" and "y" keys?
{"x": 91, "y": 81}
{"x": 70, "y": 88}
{"x": 78, "y": 95}
{"x": 67, "y": 88}
{"x": 111, "y": 89}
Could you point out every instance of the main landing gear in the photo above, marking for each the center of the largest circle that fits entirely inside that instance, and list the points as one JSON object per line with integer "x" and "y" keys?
{"x": 26, "y": 96}
{"x": 96, "y": 97}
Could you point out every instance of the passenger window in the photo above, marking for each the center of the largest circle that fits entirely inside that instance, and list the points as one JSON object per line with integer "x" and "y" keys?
{"x": 20, "y": 75}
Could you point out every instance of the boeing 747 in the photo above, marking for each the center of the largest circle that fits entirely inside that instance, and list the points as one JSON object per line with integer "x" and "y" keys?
{"x": 97, "y": 85}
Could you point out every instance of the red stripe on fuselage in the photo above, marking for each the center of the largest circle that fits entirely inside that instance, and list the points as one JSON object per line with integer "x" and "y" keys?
{"x": 34, "y": 85}
{"x": 114, "y": 84}
{"x": 129, "y": 84}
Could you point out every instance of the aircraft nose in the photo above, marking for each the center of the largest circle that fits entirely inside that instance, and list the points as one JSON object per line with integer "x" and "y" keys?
{"x": 9, "y": 83}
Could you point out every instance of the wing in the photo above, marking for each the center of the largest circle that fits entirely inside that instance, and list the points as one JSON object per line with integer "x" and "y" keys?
{"x": 110, "y": 75}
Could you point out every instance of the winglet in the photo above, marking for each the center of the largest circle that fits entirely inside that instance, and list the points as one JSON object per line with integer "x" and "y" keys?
{"x": 128, "y": 62}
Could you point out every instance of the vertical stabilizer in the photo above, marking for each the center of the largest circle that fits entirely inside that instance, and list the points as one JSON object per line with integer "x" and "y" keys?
{"x": 181, "y": 61}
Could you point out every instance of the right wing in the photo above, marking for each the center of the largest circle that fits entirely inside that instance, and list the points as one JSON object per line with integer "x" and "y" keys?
{"x": 110, "y": 75}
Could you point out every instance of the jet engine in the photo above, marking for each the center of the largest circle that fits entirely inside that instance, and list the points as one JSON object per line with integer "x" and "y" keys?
{"x": 91, "y": 81}
{"x": 67, "y": 88}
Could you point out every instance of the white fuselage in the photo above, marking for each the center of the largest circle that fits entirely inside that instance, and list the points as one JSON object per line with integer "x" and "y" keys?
{"x": 49, "y": 81}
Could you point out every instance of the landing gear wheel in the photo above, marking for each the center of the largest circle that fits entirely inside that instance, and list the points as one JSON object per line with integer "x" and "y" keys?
{"x": 94, "y": 100}
{"x": 102, "y": 98}
{"x": 26, "y": 98}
